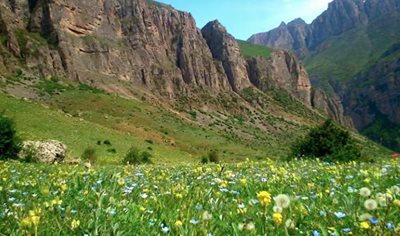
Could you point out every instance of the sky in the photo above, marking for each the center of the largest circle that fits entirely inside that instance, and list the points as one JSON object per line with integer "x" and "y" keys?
{"x": 243, "y": 18}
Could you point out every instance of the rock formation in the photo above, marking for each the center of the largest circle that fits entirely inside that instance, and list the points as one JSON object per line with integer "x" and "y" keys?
{"x": 45, "y": 152}
{"x": 125, "y": 45}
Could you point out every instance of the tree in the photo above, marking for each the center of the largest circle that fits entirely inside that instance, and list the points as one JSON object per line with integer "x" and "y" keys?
{"x": 10, "y": 144}
{"x": 328, "y": 142}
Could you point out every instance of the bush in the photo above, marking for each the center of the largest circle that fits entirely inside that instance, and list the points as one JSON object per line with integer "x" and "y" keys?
{"x": 89, "y": 155}
{"x": 328, "y": 142}
{"x": 107, "y": 142}
{"x": 10, "y": 144}
{"x": 29, "y": 154}
{"x": 134, "y": 157}
{"x": 146, "y": 157}
{"x": 213, "y": 156}
{"x": 204, "y": 159}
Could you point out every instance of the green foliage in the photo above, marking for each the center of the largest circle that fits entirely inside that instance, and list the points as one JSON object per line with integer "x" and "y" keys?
{"x": 10, "y": 144}
{"x": 383, "y": 131}
{"x": 85, "y": 87}
{"x": 328, "y": 142}
{"x": 51, "y": 86}
{"x": 89, "y": 155}
{"x": 213, "y": 156}
{"x": 253, "y": 50}
{"x": 135, "y": 157}
{"x": 204, "y": 160}
{"x": 107, "y": 142}
{"x": 193, "y": 114}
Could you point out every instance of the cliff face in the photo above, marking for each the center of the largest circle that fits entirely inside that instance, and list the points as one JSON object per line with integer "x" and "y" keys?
{"x": 115, "y": 41}
{"x": 124, "y": 45}
{"x": 372, "y": 99}
{"x": 225, "y": 48}
{"x": 341, "y": 16}
{"x": 267, "y": 74}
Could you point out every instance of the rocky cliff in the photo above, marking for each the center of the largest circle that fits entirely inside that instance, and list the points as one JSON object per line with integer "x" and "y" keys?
{"x": 352, "y": 47}
{"x": 341, "y": 16}
{"x": 267, "y": 74}
{"x": 126, "y": 45}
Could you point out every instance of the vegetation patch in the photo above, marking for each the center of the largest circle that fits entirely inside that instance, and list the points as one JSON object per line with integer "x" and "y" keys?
{"x": 253, "y": 50}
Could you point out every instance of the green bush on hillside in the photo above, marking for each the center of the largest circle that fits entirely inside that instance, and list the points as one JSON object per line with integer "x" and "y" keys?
{"x": 10, "y": 144}
{"x": 135, "y": 157}
{"x": 328, "y": 142}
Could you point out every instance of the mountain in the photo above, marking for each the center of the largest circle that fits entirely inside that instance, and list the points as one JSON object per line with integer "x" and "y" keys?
{"x": 351, "y": 52}
{"x": 85, "y": 58}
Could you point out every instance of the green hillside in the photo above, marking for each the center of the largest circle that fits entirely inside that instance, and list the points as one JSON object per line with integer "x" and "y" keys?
{"x": 344, "y": 56}
{"x": 253, "y": 50}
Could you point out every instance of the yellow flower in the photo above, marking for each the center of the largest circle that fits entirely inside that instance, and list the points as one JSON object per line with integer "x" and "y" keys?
{"x": 367, "y": 180}
{"x": 1, "y": 188}
{"x": 75, "y": 224}
{"x": 277, "y": 218}
{"x": 264, "y": 197}
{"x": 35, "y": 220}
{"x": 142, "y": 209}
{"x": 45, "y": 190}
{"x": 243, "y": 181}
{"x": 56, "y": 201}
{"x": 64, "y": 187}
{"x": 364, "y": 225}
{"x": 178, "y": 223}
{"x": 121, "y": 181}
{"x": 26, "y": 222}
{"x": 396, "y": 202}
{"x": 178, "y": 196}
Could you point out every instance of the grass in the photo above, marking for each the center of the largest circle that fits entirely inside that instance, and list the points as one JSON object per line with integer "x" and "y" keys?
{"x": 230, "y": 199}
{"x": 253, "y": 50}
{"x": 36, "y": 122}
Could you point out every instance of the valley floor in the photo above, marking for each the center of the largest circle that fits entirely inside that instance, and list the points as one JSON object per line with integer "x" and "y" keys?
{"x": 225, "y": 199}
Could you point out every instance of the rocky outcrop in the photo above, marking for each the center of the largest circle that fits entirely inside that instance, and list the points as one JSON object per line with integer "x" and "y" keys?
{"x": 282, "y": 70}
{"x": 120, "y": 43}
{"x": 44, "y": 151}
{"x": 332, "y": 106}
{"x": 127, "y": 45}
{"x": 291, "y": 36}
{"x": 225, "y": 48}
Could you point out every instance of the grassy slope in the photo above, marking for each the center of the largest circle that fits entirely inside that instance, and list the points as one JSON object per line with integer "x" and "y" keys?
{"x": 344, "y": 56}
{"x": 37, "y": 122}
{"x": 253, "y": 50}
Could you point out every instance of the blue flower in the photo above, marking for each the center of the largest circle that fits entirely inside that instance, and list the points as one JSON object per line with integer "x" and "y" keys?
{"x": 322, "y": 213}
{"x": 340, "y": 215}
{"x": 374, "y": 221}
{"x": 316, "y": 233}
{"x": 194, "y": 221}
{"x": 390, "y": 226}
{"x": 346, "y": 230}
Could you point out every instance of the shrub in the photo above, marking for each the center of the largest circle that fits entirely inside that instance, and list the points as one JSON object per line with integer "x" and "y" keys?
{"x": 134, "y": 157}
{"x": 146, "y": 157}
{"x": 204, "y": 160}
{"x": 10, "y": 144}
{"x": 89, "y": 155}
{"x": 107, "y": 142}
{"x": 112, "y": 150}
{"x": 328, "y": 142}
{"x": 213, "y": 156}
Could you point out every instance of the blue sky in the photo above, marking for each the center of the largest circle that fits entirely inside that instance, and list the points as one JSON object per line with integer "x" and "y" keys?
{"x": 243, "y": 18}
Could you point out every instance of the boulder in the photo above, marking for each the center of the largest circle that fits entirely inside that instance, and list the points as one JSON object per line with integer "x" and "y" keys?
{"x": 50, "y": 151}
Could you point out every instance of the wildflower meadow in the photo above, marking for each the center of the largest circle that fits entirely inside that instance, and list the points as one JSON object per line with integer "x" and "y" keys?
{"x": 249, "y": 198}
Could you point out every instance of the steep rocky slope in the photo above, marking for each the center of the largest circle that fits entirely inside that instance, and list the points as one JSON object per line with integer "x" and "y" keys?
{"x": 54, "y": 52}
{"x": 351, "y": 51}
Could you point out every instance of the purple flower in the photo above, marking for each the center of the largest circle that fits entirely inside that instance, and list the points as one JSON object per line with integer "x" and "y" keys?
{"x": 374, "y": 221}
